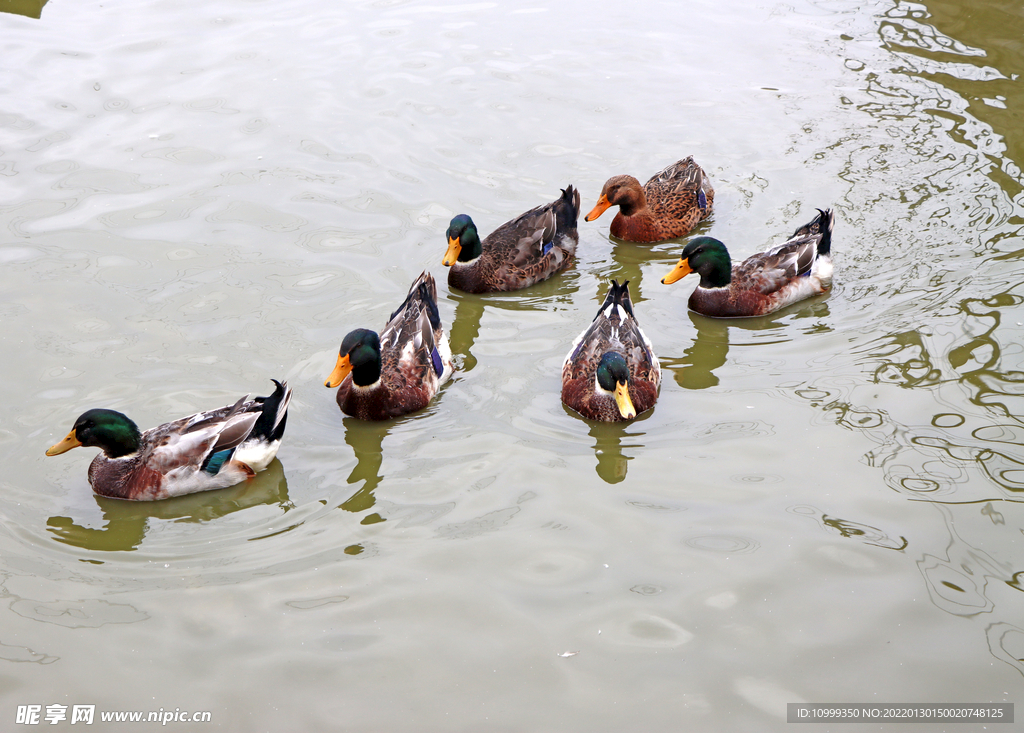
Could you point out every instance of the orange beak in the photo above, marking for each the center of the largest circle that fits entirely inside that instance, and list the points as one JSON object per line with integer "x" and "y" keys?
{"x": 341, "y": 370}
{"x": 64, "y": 446}
{"x": 599, "y": 208}
{"x": 452, "y": 255}
{"x": 681, "y": 270}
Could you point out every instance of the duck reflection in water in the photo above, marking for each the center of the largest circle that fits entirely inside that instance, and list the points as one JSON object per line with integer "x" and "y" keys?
{"x": 696, "y": 370}
{"x": 609, "y": 440}
{"x": 366, "y": 438}
{"x": 608, "y": 444}
{"x": 126, "y": 522}
{"x": 469, "y": 310}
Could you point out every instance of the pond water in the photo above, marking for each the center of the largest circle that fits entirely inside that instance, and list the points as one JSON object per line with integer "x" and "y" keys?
{"x": 823, "y": 506}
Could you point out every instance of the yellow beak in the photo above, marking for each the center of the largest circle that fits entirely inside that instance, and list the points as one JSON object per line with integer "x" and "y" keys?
{"x": 341, "y": 370}
{"x": 681, "y": 270}
{"x": 452, "y": 255}
{"x": 625, "y": 404}
{"x": 64, "y": 446}
{"x": 599, "y": 208}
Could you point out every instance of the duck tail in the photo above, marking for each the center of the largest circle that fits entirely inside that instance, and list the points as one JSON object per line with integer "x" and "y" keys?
{"x": 825, "y": 221}
{"x": 423, "y": 289}
{"x": 820, "y": 226}
{"x": 618, "y": 295}
{"x": 567, "y": 208}
{"x": 622, "y": 298}
{"x": 274, "y": 415}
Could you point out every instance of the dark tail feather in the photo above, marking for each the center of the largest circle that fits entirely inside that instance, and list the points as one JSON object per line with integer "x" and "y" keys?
{"x": 425, "y": 289}
{"x": 427, "y": 292}
{"x": 271, "y": 422}
{"x": 567, "y": 208}
{"x": 820, "y": 225}
{"x": 609, "y": 297}
{"x": 825, "y": 222}
{"x": 622, "y": 298}
{"x": 617, "y": 295}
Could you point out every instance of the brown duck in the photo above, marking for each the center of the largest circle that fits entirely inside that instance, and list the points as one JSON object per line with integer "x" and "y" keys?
{"x": 530, "y": 248}
{"x": 668, "y": 206}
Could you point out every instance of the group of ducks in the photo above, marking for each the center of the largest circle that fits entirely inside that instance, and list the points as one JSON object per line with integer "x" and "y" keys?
{"x": 609, "y": 374}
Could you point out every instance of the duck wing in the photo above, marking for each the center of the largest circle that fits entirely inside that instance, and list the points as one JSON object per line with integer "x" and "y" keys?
{"x": 679, "y": 188}
{"x": 536, "y": 244}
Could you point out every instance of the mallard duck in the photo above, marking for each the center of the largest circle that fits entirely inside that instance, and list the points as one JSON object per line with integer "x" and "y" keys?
{"x": 796, "y": 269}
{"x": 528, "y": 249}
{"x": 398, "y": 372}
{"x": 208, "y": 450}
{"x": 668, "y": 206}
{"x": 611, "y": 372}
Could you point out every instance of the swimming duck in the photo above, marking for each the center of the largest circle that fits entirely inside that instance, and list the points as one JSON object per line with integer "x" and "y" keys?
{"x": 208, "y": 450}
{"x": 668, "y": 206}
{"x": 611, "y": 372}
{"x": 398, "y": 372}
{"x": 796, "y": 269}
{"x": 519, "y": 253}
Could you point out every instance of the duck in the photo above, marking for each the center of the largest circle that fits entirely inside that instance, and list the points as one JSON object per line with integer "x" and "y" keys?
{"x": 520, "y": 253}
{"x": 611, "y": 373}
{"x": 399, "y": 371}
{"x": 208, "y": 450}
{"x": 668, "y": 206}
{"x": 799, "y": 268}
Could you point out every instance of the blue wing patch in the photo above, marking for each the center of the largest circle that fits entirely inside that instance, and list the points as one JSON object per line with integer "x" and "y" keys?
{"x": 702, "y": 199}
{"x": 547, "y": 248}
{"x": 436, "y": 359}
{"x": 215, "y": 461}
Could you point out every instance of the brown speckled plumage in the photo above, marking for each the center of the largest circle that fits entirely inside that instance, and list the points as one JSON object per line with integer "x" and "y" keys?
{"x": 666, "y": 207}
{"x": 614, "y": 329}
{"x": 513, "y": 255}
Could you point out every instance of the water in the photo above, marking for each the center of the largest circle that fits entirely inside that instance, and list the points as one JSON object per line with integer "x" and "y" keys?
{"x": 823, "y": 506}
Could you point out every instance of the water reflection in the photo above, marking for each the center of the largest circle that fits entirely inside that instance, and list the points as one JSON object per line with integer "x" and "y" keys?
{"x": 696, "y": 370}
{"x": 611, "y": 463}
{"x": 127, "y": 522}
{"x": 366, "y": 438}
{"x": 978, "y": 51}
{"x": 28, "y": 8}
{"x": 958, "y": 582}
{"x": 854, "y": 530}
{"x": 469, "y": 309}
{"x": 710, "y": 348}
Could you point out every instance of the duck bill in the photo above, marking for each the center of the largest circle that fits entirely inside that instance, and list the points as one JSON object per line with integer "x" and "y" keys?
{"x": 625, "y": 404}
{"x": 452, "y": 255}
{"x": 71, "y": 441}
{"x": 599, "y": 208}
{"x": 681, "y": 270}
{"x": 341, "y": 370}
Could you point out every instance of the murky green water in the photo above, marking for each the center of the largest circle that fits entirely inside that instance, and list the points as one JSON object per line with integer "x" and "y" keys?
{"x": 824, "y": 505}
